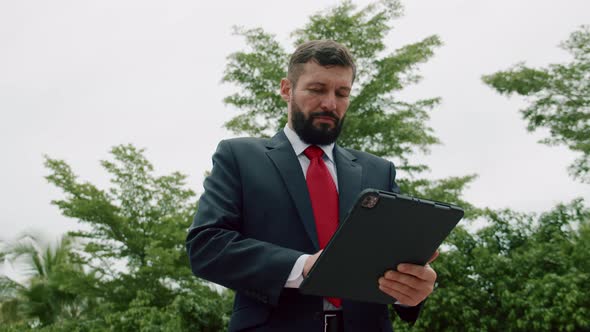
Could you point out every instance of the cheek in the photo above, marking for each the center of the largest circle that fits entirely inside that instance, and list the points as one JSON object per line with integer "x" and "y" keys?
{"x": 342, "y": 107}
{"x": 309, "y": 102}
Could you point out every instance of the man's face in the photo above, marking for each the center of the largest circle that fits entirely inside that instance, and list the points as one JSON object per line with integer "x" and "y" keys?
{"x": 318, "y": 102}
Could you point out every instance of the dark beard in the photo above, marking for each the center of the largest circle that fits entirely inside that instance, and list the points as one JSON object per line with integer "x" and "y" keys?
{"x": 310, "y": 134}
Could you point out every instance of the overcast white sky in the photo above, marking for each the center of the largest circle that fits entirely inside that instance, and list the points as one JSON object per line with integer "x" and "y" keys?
{"x": 78, "y": 77}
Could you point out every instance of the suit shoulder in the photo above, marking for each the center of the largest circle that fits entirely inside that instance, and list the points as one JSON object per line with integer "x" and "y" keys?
{"x": 367, "y": 157}
{"x": 242, "y": 141}
{"x": 242, "y": 146}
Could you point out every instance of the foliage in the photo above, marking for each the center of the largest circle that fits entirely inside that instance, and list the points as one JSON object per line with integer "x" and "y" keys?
{"x": 444, "y": 190}
{"x": 43, "y": 299}
{"x": 558, "y": 97}
{"x": 139, "y": 225}
{"x": 136, "y": 273}
{"x": 520, "y": 273}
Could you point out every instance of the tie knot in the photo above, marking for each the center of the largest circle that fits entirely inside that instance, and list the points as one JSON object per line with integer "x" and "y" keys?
{"x": 313, "y": 151}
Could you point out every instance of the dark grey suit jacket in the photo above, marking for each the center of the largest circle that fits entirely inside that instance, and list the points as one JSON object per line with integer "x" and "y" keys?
{"x": 255, "y": 219}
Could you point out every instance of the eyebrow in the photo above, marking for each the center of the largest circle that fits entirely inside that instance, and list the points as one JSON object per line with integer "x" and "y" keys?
{"x": 323, "y": 84}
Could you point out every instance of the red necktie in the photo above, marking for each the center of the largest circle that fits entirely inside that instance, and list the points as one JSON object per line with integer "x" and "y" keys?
{"x": 324, "y": 199}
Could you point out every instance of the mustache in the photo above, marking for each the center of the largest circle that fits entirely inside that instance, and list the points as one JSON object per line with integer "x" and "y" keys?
{"x": 328, "y": 114}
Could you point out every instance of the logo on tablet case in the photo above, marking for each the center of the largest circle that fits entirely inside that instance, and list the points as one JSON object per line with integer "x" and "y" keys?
{"x": 370, "y": 201}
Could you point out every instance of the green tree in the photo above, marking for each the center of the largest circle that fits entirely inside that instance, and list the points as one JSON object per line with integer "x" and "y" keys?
{"x": 558, "y": 97}
{"x": 134, "y": 227}
{"x": 132, "y": 248}
{"x": 8, "y": 294}
{"x": 43, "y": 299}
{"x": 523, "y": 272}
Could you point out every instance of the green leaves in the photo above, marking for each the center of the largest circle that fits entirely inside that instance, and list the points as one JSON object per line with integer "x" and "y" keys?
{"x": 519, "y": 79}
{"x": 258, "y": 72}
{"x": 361, "y": 31}
{"x": 43, "y": 299}
{"x": 446, "y": 190}
{"x": 522, "y": 272}
{"x": 133, "y": 246}
{"x": 559, "y": 99}
{"x": 139, "y": 212}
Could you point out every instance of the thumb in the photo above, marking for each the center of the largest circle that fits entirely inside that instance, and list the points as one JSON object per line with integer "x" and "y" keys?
{"x": 433, "y": 257}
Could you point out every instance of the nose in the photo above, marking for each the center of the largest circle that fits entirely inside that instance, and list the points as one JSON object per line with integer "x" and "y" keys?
{"x": 328, "y": 102}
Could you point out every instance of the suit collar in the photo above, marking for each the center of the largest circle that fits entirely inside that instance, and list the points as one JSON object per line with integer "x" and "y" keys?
{"x": 277, "y": 140}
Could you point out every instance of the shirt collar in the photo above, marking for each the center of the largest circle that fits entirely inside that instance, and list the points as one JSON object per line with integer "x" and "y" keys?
{"x": 299, "y": 146}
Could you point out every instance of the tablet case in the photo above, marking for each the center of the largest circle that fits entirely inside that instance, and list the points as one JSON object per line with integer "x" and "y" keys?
{"x": 382, "y": 230}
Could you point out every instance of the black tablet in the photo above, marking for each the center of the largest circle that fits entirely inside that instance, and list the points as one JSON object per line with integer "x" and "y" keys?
{"x": 382, "y": 230}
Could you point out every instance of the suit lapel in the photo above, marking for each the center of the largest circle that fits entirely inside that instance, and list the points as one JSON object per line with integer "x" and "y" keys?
{"x": 349, "y": 179}
{"x": 282, "y": 154}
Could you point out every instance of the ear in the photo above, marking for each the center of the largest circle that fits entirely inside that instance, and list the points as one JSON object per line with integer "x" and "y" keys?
{"x": 286, "y": 90}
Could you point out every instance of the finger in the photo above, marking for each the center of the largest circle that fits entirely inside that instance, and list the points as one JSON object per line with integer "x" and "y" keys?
{"x": 410, "y": 285}
{"x": 399, "y": 296}
{"x": 390, "y": 288}
{"x": 405, "y": 300}
{"x": 406, "y": 279}
{"x": 422, "y": 272}
{"x": 433, "y": 257}
{"x": 414, "y": 289}
{"x": 399, "y": 287}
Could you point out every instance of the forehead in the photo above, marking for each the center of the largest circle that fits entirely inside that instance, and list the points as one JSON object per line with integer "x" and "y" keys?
{"x": 315, "y": 73}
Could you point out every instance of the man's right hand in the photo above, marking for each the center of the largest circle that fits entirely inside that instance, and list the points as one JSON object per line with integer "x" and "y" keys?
{"x": 309, "y": 262}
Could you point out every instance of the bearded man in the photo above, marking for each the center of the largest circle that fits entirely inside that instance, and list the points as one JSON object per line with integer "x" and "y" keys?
{"x": 271, "y": 205}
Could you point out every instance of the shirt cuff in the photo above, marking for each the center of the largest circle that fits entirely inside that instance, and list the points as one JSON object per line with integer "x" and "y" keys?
{"x": 296, "y": 276}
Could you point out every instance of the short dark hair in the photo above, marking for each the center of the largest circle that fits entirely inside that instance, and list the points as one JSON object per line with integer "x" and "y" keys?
{"x": 324, "y": 52}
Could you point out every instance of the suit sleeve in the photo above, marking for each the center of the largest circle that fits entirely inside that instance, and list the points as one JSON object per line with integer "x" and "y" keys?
{"x": 217, "y": 249}
{"x": 408, "y": 314}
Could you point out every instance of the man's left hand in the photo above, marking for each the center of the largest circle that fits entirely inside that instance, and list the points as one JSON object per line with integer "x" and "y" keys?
{"x": 411, "y": 283}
